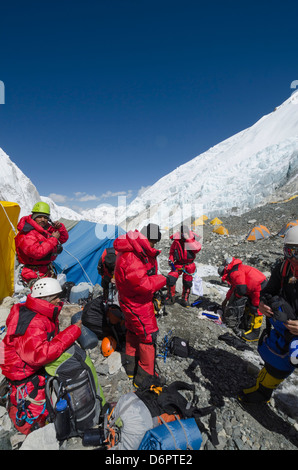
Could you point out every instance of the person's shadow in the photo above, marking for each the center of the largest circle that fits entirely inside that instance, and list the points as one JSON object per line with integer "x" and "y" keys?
{"x": 222, "y": 370}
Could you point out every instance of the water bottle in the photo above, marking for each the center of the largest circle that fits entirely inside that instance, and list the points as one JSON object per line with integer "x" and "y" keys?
{"x": 88, "y": 339}
{"x": 93, "y": 437}
{"x": 62, "y": 422}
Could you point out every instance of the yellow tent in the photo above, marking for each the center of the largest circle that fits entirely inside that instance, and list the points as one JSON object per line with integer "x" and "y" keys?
{"x": 9, "y": 214}
{"x": 216, "y": 221}
{"x": 200, "y": 220}
{"x": 221, "y": 230}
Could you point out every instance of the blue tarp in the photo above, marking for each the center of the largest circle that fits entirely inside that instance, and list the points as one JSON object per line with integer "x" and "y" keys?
{"x": 83, "y": 249}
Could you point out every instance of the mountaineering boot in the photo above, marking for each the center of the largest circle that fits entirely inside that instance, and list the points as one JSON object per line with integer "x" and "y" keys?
{"x": 144, "y": 379}
{"x": 255, "y": 327}
{"x": 262, "y": 391}
{"x": 170, "y": 298}
{"x": 185, "y": 297}
{"x": 130, "y": 365}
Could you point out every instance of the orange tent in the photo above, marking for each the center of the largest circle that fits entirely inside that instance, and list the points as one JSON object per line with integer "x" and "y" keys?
{"x": 287, "y": 226}
{"x": 259, "y": 232}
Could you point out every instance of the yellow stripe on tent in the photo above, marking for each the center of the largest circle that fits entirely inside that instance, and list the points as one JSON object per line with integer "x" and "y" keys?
{"x": 9, "y": 215}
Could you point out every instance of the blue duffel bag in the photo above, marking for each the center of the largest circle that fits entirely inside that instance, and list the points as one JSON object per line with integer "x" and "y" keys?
{"x": 182, "y": 434}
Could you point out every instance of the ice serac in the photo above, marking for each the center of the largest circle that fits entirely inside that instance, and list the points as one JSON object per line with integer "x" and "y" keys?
{"x": 239, "y": 173}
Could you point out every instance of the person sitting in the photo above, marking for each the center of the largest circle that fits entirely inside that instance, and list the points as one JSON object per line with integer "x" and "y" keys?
{"x": 137, "y": 279}
{"x": 32, "y": 341}
{"x": 278, "y": 345}
{"x": 38, "y": 243}
{"x": 240, "y": 307}
{"x": 183, "y": 252}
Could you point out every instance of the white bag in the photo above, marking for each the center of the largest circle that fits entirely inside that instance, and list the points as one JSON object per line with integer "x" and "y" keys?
{"x": 197, "y": 285}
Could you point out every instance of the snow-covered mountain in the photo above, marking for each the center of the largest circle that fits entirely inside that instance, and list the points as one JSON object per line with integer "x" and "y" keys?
{"x": 242, "y": 172}
{"x": 17, "y": 187}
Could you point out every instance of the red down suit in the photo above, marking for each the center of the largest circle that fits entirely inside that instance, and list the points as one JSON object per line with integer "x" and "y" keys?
{"x": 36, "y": 247}
{"x": 32, "y": 340}
{"x": 182, "y": 255}
{"x": 244, "y": 281}
{"x": 137, "y": 280}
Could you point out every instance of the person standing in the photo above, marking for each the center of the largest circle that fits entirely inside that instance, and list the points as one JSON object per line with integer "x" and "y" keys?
{"x": 137, "y": 280}
{"x": 183, "y": 252}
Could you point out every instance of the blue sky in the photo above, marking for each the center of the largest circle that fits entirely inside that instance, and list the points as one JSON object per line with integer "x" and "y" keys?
{"x": 104, "y": 97}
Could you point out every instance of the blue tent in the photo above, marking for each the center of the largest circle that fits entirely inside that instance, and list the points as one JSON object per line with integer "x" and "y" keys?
{"x": 83, "y": 249}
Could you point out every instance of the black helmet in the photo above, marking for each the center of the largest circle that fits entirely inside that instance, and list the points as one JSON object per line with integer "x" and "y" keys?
{"x": 152, "y": 232}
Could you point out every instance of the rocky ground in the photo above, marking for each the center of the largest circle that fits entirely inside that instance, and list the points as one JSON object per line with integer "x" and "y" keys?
{"x": 217, "y": 369}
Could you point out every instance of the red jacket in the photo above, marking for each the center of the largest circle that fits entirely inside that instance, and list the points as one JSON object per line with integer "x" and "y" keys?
{"x": 137, "y": 280}
{"x": 35, "y": 246}
{"x": 244, "y": 280}
{"x": 32, "y": 339}
{"x": 184, "y": 251}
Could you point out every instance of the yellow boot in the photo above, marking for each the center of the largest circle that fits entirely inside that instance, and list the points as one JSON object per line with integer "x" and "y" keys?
{"x": 255, "y": 327}
{"x": 262, "y": 391}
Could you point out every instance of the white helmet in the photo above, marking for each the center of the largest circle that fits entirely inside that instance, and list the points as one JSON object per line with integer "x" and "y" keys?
{"x": 46, "y": 287}
{"x": 291, "y": 236}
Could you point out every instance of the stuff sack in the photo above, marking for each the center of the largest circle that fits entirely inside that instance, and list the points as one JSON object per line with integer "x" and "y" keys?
{"x": 182, "y": 434}
{"x": 179, "y": 347}
{"x": 94, "y": 318}
{"x": 88, "y": 339}
{"x": 73, "y": 378}
{"x": 127, "y": 423}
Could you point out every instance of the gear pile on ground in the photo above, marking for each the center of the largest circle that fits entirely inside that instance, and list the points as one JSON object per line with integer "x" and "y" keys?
{"x": 217, "y": 365}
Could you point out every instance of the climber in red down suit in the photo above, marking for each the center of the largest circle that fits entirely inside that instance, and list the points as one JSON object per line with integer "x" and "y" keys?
{"x": 38, "y": 243}
{"x": 137, "y": 279}
{"x": 183, "y": 252}
{"x": 242, "y": 299}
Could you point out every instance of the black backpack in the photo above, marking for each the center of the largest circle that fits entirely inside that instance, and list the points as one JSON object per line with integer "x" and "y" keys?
{"x": 73, "y": 379}
{"x": 169, "y": 400}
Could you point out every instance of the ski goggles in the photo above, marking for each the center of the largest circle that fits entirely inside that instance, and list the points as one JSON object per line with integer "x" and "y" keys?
{"x": 291, "y": 252}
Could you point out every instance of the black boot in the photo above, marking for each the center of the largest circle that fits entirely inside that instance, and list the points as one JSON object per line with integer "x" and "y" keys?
{"x": 130, "y": 365}
{"x": 144, "y": 380}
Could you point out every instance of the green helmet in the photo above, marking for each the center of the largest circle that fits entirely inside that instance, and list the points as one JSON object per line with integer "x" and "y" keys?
{"x": 41, "y": 207}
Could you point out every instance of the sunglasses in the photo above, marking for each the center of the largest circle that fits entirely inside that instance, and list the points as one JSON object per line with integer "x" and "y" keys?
{"x": 291, "y": 252}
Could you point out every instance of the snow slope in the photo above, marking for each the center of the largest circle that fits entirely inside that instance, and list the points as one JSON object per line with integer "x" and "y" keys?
{"x": 235, "y": 175}
{"x": 17, "y": 187}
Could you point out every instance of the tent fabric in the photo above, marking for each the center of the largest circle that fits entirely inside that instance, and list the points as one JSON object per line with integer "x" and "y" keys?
{"x": 216, "y": 221}
{"x": 259, "y": 232}
{"x": 287, "y": 226}
{"x": 9, "y": 215}
{"x": 69, "y": 224}
{"x": 200, "y": 220}
{"x": 81, "y": 252}
{"x": 221, "y": 230}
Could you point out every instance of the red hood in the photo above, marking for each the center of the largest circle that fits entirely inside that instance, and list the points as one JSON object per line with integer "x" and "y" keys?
{"x": 35, "y": 305}
{"x": 26, "y": 224}
{"x": 177, "y": 236}
{"x": 229, "y": 267}
{"x": 135, "y": 242}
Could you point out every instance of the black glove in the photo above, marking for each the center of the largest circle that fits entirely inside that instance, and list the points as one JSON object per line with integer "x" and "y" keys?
{"x": 281, "y": 309}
